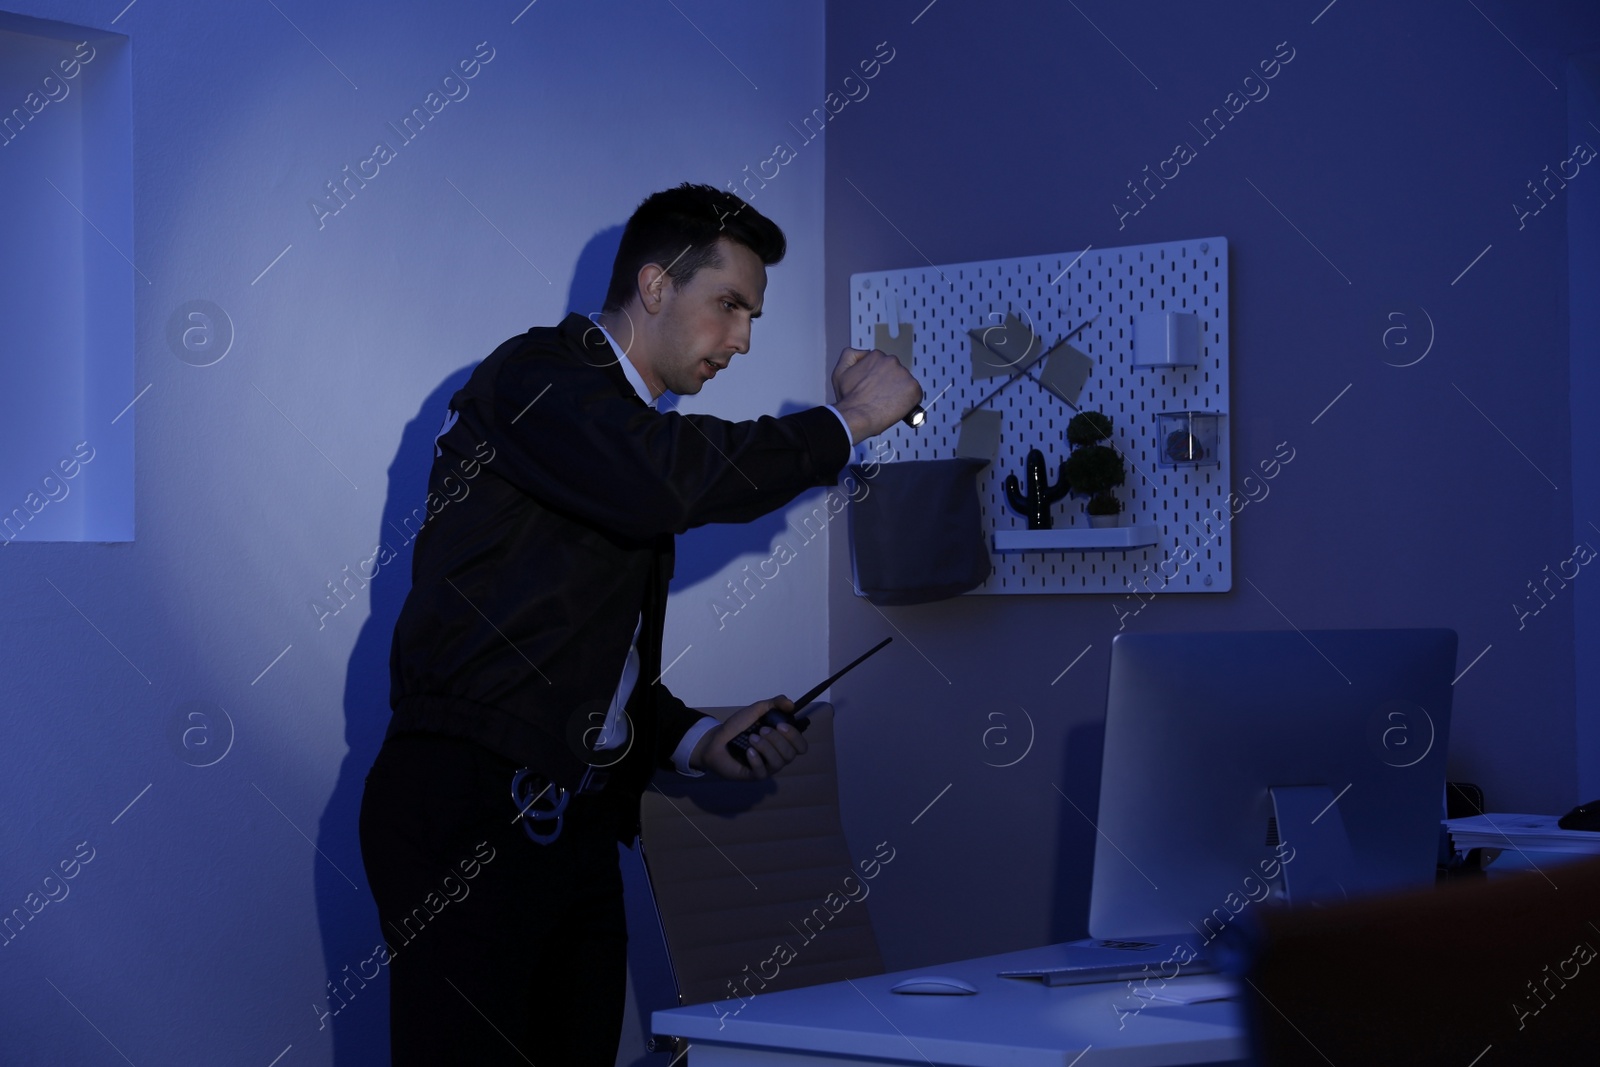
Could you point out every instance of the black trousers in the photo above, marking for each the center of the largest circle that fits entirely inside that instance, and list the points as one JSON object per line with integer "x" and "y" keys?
{"x": 502, "y": 951}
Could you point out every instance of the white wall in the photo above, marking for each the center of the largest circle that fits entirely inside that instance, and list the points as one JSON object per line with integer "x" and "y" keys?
{"x": 207, "y": 922}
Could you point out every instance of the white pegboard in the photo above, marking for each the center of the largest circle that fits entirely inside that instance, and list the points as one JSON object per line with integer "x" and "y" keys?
{"x": 1054, "y": 293}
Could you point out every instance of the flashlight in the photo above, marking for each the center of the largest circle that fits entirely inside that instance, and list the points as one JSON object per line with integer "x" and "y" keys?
{"x": 916, "y": 417}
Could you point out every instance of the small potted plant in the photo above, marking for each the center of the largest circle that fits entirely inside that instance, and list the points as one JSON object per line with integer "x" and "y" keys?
{"x": 1094, "y": 469}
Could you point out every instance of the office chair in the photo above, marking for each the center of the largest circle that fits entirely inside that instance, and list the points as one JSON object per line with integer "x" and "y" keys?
{"x": 740, "y": 868}
{"x": 1491, "y": 972}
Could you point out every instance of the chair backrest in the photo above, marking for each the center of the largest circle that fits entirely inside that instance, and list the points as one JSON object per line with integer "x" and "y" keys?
{"x": 753, "y": 880}
{"x": 1434, "y": 976}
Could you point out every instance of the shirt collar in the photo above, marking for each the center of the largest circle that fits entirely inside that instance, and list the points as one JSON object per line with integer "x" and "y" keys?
{"x": 635, "y": 379}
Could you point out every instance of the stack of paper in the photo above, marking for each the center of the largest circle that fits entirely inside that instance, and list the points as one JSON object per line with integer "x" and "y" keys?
{"x": 1527, "y": 833}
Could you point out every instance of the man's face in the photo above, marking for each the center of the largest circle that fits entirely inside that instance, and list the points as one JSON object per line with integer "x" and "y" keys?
{"x": 705, "y": 323}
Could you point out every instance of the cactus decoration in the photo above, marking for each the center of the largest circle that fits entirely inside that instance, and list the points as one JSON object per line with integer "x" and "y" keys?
{"x": 1035, "y": 504}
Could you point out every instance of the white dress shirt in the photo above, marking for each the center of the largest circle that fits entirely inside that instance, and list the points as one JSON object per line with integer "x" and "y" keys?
{"x": 614, "y": 733}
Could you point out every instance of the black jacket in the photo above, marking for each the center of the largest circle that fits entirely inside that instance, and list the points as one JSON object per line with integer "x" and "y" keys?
{"x": 554, "y": 497}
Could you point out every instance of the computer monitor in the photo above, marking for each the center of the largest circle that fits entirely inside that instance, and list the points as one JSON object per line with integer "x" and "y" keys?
{"x": 1246, "y": 769}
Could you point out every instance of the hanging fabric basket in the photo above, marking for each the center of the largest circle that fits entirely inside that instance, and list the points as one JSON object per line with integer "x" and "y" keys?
{"x": 915, "y": 531}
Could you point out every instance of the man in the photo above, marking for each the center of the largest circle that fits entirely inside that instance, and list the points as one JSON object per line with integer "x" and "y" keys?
{"x": 528, "y": 708}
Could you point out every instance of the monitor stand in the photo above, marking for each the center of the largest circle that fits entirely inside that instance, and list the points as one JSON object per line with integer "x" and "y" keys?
{"x": 1313, "y": 848}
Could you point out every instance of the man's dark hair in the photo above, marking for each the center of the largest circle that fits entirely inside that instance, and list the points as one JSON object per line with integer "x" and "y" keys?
{"x": 678, "y": 228}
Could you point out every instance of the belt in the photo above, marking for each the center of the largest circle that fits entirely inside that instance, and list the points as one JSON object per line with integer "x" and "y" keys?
{"x": 542, "y": 805}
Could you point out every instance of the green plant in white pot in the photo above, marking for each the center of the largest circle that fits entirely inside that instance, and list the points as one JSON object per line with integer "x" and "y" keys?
{"x": 1094, "y": 468}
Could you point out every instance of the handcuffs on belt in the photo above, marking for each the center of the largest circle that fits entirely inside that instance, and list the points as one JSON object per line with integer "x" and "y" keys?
{"x": 527, "y": 792}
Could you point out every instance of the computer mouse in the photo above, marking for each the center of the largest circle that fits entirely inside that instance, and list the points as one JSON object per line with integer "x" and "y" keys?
{"x": 1582, "y": 817}
{"x": 934, "y": 983}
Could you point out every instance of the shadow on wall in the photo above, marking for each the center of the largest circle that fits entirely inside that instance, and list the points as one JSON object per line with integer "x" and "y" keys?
{"x": 357, "y": 1000}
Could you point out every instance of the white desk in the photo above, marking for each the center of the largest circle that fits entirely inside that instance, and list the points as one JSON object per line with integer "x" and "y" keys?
{"x": 1009, "y": 1021}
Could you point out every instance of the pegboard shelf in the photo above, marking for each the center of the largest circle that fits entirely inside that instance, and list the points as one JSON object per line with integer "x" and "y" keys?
{"x": 1092, "y": 539}
{"x": 1187, "y": 505}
